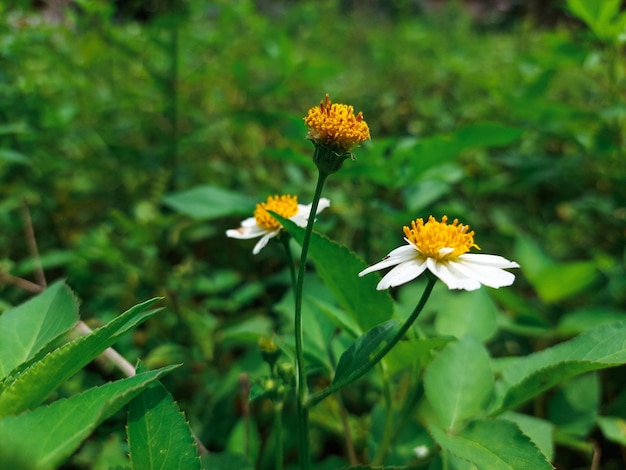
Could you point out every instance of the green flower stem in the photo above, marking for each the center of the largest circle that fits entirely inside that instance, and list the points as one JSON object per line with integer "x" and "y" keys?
{"x": 359, "y": 372}
{"x": 278, "y": 434}
{"x": 301, "y": 385}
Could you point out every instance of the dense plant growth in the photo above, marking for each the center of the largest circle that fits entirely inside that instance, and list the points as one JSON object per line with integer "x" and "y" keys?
{"x": 129, "y": 147}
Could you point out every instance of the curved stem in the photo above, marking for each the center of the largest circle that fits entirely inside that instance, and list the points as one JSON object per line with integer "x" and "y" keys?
{"x": 362, "y": 370}
{"x": 301, "y": 385}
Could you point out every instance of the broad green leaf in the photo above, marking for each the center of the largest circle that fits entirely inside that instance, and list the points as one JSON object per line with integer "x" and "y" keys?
{"x": 552, "y": 281}
{"x": 464, "y": 313}
{"x": 31, "y": 386}
{"x": 459, "y": 383}
{"x": 158, "y": 434}
{"x": 573, "y": 406}
{"x": 562, "y": 280}
{"x": 338, "y": 267}
{"x": 492, "y": 445}
{"x": 539, "y": 430}
{"x": 528, "y": 376}
{"x": 209, "y": 202}
{"x": 359, "y": 353}
{"x": 613, "y": 428}
{"x": 28, "y": 328}
{"x": 41, "y": 439}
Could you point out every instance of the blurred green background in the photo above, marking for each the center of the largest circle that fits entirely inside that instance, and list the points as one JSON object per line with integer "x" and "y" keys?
{"x": 133, "y": 134}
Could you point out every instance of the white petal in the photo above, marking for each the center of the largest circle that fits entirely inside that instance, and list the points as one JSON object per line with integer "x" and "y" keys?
{"x": 486, "y": 275}
{"x": 249, "y": 222}
{"x": 246, "y": 231}
{"x": 397, "y": 256}
{"x": 494, "y": 261}
{"x": 445, "y": 251}
{"x": 402, "y": 273}
{"x": 450, "y": 276}
{"x": 263, "y": 241}
{"x": 304, "y": 211}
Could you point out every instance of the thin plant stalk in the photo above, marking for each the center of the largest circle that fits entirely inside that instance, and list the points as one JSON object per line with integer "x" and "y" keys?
{"x": 383, "y": 448}
{"x": 301, "y": 385}
{"x": 317, "y": 397}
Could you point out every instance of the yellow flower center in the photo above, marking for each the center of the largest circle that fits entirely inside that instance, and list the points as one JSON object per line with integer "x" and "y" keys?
{"x": 285, "y": 206}
{"x": 335, "y": 125}
{"x": 432, "y": 236}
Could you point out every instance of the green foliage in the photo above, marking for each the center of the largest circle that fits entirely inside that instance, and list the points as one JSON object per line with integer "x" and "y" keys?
{"x": 158, "y": 435}
{"x": 135, "y": 148}
{"x": 34, "y": 434}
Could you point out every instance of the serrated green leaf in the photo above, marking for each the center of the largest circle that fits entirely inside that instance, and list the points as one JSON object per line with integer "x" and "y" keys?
{"x": 492, "y": 445}
{"x": 31, "y": 386}
{"x": 528, "y": 376}
{"x": 43, "y": 438}
{"x": 539, "y": 430}
{"x": 339, "y": 267}
{"x": 209, "y": 202}
{"x": 456, "y": 391}
{"x": 158, "y": 434}
{"x": 359, "y": 353}
{"x": 30, "y": 327}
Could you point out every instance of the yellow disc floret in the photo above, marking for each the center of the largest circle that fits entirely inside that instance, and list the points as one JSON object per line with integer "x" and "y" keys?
{"x": 432, "y": 236}
{"x": 335, "y": 125}
{"x": 285, "y": 205}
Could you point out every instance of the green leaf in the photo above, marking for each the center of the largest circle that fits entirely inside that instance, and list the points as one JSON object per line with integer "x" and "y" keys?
{"x": 12, "y": 156}
{"x": 158, "y": 434}
{"x": 43, "y": 438}
{"x": 573, "y": 406}
{"x": 613, "y": 428}
{"x": 360, "y": 352}
{"x": 579, "y": 321}
{"x": 539, "y": 430}
{"x": 30, "y": 387}
{"x": 465, "y": 313}
{"x": 456, "y": 391}
{"x": 209, "y": 202}
{"x": 598, "y": 15}
{"x": 528, "y": 376}
{"x": 562, "y": 280}
{"x": 338, "y": 267}
{"x": 492, "y": 445}
{"x": 29, "y": 328}
{"x": 552, "y": 281}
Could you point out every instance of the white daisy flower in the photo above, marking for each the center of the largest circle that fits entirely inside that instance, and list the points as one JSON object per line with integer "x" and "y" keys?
{"x": 443, "y": 249}
{"x": 264, "y": 225}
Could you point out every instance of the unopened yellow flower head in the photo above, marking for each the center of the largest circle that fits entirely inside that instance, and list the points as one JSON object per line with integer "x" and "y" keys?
{"x": 285, "y": 206}
{"x": 432, "y": 236}
{"x": 335, "y": 131}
